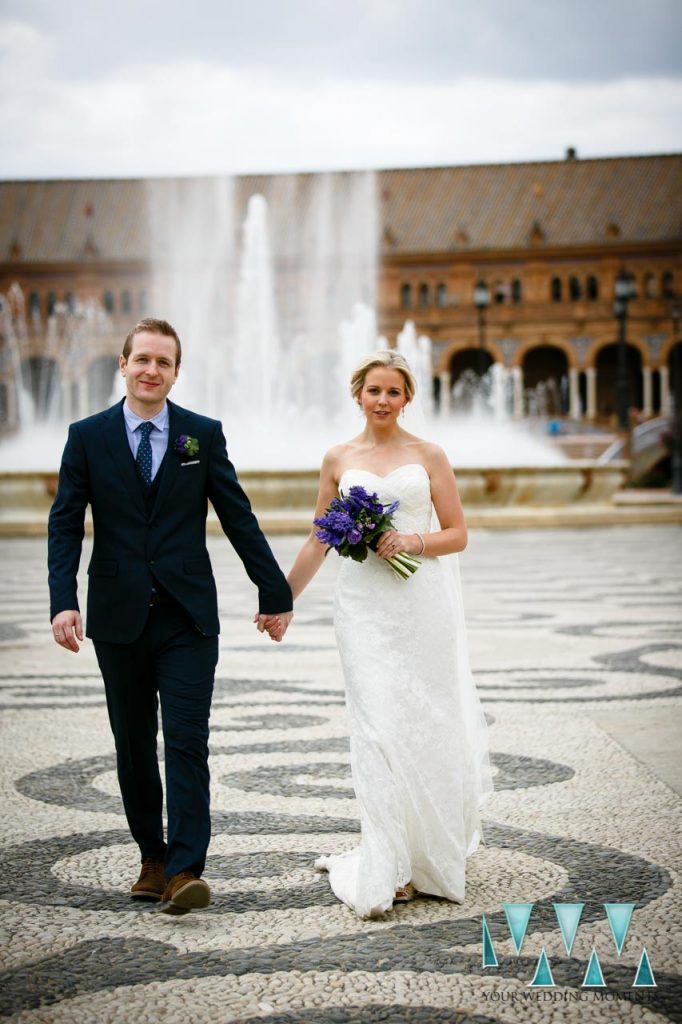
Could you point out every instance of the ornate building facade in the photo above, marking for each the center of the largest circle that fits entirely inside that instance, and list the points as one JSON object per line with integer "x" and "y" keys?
{"x": 546, "y": 239}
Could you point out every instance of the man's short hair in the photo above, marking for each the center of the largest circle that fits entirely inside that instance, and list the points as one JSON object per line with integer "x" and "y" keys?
{"x": 154, "y": 327}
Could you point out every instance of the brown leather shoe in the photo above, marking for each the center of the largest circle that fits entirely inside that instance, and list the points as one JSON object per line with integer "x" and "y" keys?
{"x": 184, "y": 892}
{"x": 152, "y": 881}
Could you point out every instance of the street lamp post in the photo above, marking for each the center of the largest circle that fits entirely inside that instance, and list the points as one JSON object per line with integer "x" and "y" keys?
{"x": 624, "y": 291}
{"x": 675, "y": 314}
{"x": 481, "y": 301}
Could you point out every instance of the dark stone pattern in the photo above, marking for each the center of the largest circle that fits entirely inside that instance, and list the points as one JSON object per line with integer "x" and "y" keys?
{"x": 96, "y": 965}
{"x": 70, "y": 784}
{"x": 250, "y": 723}
{"x": 10, "y": 631}
{"x": 596, "y": 874}
{"x": 515, "y": 772}
{"x": 375, "y": 1014}
{"x": 630, "y": 662}
{"x": 536, "y": 592}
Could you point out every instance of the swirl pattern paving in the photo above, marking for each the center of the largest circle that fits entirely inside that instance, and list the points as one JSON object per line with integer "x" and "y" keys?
{"x": 576, "y": 645}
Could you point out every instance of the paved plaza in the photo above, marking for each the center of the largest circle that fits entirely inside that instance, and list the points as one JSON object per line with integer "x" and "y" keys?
{"x": 576, "y": 643}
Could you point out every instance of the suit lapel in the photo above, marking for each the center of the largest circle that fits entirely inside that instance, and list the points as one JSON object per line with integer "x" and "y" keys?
{"x": 172, "y": 462}
{"x": 116, "y": 439}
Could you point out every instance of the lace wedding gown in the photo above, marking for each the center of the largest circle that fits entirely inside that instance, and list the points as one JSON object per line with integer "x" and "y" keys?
{"x": 418, "y": 737}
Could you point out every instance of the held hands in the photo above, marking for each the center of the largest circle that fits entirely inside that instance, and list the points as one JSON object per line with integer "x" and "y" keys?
{"x": 274, "y": 625}
{"x": 391, "y": 542}
{"x": 66, "y": 626}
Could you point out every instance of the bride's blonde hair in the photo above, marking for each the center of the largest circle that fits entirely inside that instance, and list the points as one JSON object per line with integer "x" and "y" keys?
{"x": 388, "y": 359}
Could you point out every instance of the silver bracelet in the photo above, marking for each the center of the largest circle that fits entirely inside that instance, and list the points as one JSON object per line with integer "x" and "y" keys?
{"x": 421, "y": 537}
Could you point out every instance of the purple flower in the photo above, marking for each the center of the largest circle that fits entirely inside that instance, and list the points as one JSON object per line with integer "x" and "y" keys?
{"x": 353, "y": 524}
{"x": 186, "y": 445}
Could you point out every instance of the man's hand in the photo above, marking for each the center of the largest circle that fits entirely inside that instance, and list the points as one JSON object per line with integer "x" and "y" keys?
{"x": 66, "y": 626}
{"x": 274, "y": 625}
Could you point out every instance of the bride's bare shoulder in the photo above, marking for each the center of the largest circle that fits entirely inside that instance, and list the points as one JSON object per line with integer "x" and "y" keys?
{"x": 425, "y": 452}
{"x": 336, "y": 458}
{"x": 433, "y": 456}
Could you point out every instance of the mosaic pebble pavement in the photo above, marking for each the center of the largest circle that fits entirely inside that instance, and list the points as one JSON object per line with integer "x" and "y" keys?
{"x": 565, "y": 626}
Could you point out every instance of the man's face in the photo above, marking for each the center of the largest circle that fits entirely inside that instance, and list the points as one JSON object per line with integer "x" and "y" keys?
{"x": 150, "y": 369}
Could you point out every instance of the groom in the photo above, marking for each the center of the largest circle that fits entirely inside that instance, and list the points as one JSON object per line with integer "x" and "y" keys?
{"x": 148, "y": 469}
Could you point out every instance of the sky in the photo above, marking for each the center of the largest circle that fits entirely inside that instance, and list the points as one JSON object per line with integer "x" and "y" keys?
{"x": 137, "y": 88}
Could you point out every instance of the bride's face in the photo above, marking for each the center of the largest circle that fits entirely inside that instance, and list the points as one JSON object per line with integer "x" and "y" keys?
{"x": 383, "y": 395}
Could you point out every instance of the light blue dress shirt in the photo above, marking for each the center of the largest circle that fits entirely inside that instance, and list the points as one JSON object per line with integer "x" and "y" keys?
{"x": 158, "y": 437}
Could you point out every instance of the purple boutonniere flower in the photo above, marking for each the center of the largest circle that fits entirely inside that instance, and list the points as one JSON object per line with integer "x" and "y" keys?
{"x": 186, "y": 445}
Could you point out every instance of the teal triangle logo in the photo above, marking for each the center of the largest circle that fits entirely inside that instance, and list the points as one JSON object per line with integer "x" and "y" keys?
{"x": 619, "y": 915}
{"x": 593, "y": 975}
{"x": 645, "y": 976}
{"x": 518, "y": 916}
{"x": 543, "y": 972}
{"x": 489, "y": 957}
{"x": 568, "y": 915}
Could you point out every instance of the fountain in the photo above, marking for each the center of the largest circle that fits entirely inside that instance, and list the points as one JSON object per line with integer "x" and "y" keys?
{"x": 273, "y": 296}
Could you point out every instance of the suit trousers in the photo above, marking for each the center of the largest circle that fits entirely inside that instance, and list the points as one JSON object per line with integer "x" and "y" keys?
{"x": 173, "y": 664}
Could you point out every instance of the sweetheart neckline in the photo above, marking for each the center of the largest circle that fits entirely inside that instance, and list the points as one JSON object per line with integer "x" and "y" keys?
{"x": 358, "y": 469}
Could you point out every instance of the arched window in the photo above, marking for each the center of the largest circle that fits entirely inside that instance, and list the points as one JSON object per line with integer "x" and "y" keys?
{"x": 500, "y": 292}
{"x": 51, "y": 303}
{"x": 109, "y": 302}
{"x": 592, "y": 288}
{"x": 668, "y": 285}
{"x": 574, "y": 289}
{"x": 517, "y": 290}
{"x": 423, "y": 294}
{"x": 556, "y": 289}
{"x": 34, "y": 303}
{"x": 441, "y": 295}
{"x": 125, "y": 301}
{"x": 406, "y": 296}
{"x": 143, "y": 302}
{"x": 650, "y": 285}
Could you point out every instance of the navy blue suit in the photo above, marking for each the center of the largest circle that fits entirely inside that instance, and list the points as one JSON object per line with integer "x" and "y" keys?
{"x": 153, "y": 540}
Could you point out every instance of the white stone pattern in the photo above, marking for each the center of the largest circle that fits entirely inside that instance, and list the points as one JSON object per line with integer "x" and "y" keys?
{"x": 575, "y": 644}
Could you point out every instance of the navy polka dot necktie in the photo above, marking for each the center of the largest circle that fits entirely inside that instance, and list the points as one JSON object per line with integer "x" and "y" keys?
{"x": 144, "y": 453}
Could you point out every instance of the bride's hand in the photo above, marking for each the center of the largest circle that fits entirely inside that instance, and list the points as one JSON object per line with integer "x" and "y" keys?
{"x": 391, "y": 542}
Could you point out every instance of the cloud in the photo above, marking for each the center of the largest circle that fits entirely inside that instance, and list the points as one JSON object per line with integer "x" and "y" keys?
{"x": 139, "y": 89}
{"x": 193, "y": 118}
{"x": 399, "y": 40}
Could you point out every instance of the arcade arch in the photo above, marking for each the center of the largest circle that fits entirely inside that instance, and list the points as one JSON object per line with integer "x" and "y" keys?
{"x": 101, "y": 382}
{"x": 607, "y": 379}
{"x": 40, "y": 377}
{"x": 545, "y": 380}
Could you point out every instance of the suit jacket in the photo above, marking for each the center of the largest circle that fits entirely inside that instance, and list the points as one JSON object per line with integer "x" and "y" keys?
{"x": 133, "y": 549}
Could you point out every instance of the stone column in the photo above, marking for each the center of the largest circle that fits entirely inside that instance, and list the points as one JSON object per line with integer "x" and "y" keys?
{"x": 66, "y": 386}
{"x": 445, "y": 396}
{"x": 499, "y": 374}
{"x": 517, "y": 402}
{"x": 666, "y": 407}
{"x": 12, "y": 404}
{"x": 574, "y": 410}
{"x": 591, "y": 376}
{"x": 648, "y": 394}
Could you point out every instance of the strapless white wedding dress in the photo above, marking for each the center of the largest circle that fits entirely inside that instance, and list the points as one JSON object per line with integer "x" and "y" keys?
{"x": 418, "y": 738}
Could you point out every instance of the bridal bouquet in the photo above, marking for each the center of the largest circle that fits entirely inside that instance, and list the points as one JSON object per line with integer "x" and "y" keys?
{"x": 353, "y": 524}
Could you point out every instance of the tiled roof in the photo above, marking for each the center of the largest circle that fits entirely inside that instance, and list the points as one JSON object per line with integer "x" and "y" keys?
{"x": 572, "y": 202}
{"x": 497, "y": 207}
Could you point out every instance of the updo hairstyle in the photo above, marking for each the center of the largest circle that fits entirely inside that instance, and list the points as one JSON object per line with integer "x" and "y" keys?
{"x": 388, "y": 359}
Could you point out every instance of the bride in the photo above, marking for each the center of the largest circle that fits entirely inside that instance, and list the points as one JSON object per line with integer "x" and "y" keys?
{"x": 418, "y": 742}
